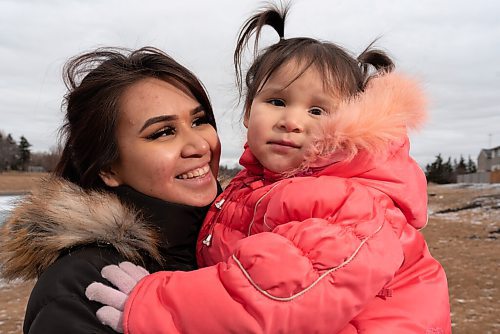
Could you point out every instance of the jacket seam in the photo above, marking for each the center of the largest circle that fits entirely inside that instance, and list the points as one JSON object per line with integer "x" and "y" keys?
{"x": 256, "y": 205}
{"x": 313, "y": 284}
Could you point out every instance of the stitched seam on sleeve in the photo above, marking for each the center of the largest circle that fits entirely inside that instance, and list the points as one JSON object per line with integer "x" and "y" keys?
{"x": 313, "y": 284}
{"x": 256, "y": 205}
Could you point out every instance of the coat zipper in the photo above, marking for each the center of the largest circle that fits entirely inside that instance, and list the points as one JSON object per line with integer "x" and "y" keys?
{"x": 208, "y": 239}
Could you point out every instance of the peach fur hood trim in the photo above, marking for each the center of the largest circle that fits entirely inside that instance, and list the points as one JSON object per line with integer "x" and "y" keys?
{"x": 390, "y": 105}
{"x": 59, "y": 215}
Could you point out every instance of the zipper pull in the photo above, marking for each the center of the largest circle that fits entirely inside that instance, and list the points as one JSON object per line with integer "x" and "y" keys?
{"x": 219, "y": 204}
{"x": 207, "y": 241}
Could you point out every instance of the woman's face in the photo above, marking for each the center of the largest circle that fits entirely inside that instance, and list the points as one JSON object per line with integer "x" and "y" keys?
{"x": 167, "y": 149}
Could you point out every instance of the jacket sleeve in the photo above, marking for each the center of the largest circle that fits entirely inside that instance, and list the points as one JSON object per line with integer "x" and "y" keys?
{"x": 67, "y": 315}
{"x": 58, "y": 304}
{"x": 313, "y": 272}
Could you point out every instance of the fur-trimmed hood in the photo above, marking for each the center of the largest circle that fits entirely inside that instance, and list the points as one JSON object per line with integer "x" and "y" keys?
{"x": 59, "y": 215}
{"x": 391, "y": 105}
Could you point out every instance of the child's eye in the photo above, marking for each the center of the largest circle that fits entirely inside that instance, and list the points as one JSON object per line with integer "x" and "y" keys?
{"x": 164, "y": 132}
{"x": 317, "y": 111}
{"x": 276, "y": 102}
{"x": 200, "y": 121}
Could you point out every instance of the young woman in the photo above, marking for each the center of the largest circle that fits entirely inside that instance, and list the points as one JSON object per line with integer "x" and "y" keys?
{"x": 135, "y": 180}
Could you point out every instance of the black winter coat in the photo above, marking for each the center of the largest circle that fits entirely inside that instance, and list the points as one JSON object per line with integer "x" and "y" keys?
{"x": 64, "y": 236}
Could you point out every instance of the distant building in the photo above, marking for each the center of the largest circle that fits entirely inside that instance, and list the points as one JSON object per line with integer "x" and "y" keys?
{"x": 489, "y": 160}
{"x": 488, "y": 168}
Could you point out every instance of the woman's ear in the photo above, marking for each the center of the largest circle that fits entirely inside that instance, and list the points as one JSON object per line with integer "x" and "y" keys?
{"x": 110, "y": 177}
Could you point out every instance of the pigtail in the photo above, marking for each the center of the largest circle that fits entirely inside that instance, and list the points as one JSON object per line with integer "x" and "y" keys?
{"x": 272, "y": 16}
{"x": 375, "y": 59}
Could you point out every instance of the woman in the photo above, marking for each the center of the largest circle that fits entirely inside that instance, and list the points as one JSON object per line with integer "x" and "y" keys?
{"x": 134, "y": 182}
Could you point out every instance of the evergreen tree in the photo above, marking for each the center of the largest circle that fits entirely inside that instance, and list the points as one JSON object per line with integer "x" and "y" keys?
{"x": 440, "y": 172}
{"x": 461, "y": 167}
{"x": 24, "y": 153}
{"x": 8, "y": 152}
{"x": 449, "y": 175}
{"x": 471, "y": 166}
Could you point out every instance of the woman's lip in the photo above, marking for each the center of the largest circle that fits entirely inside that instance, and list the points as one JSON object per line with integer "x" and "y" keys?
{"x": 195, "y": 168}
{"x": 197, "y": 181}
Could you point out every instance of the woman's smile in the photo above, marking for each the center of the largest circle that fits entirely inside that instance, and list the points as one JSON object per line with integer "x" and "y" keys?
{"x": 196, "y": 173}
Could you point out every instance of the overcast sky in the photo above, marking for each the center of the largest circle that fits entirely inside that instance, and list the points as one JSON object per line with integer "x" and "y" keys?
{"x": 452, "y": 47}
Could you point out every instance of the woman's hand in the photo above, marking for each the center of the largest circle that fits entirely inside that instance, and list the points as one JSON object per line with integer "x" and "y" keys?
{"x": 123, "y": 276}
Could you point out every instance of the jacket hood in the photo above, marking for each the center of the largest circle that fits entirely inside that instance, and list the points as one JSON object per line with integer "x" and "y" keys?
{"x": 59, "y": 215}
{"x": 367, "y": 137}
{"x": 371, "y": 121}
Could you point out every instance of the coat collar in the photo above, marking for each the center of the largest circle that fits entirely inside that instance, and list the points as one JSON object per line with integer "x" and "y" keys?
{"x": 59, "y": 215}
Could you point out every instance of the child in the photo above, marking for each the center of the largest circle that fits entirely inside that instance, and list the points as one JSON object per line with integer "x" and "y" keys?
{"x": 319, "y": 232}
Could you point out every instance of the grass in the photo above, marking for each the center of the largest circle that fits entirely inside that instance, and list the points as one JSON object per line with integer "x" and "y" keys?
{"x": 13, "y": 183}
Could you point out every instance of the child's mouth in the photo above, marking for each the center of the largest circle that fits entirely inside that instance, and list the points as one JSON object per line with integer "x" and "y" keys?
{"x": 285, "y": 143}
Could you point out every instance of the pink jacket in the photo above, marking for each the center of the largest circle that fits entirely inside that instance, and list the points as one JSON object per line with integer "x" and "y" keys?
{"x": 334, "y": 249}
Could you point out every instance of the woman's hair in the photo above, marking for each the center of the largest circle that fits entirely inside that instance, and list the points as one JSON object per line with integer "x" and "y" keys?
{"x": 96, "y": 82}
{"x": 342, "y": 73}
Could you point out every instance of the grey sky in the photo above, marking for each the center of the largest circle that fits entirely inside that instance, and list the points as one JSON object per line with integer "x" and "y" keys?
{"x": 452, "y": 47}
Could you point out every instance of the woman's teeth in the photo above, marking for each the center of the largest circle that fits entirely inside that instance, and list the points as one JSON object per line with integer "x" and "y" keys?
{"x": 198, "y": 172}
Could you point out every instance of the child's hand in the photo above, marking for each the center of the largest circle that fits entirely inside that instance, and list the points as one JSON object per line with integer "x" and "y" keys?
{"x": 124, "y": 276}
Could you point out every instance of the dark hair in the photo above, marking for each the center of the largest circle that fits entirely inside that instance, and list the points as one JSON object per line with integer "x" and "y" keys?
{"x": 341, "y": 71}
{"x": 96, "y": 81}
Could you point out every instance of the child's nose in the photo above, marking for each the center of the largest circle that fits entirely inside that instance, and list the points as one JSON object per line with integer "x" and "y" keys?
{"x": 195, "y": 145}
{"x": 291, "y": 121}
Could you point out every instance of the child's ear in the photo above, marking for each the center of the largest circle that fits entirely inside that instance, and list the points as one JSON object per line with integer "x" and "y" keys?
{"x": 110, "y": 177}
{"x": 245, "y": 118}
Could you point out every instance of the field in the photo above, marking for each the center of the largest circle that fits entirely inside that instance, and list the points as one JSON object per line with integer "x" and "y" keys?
{"x": 13, "y": 183}
{"x": 463, "y": 233}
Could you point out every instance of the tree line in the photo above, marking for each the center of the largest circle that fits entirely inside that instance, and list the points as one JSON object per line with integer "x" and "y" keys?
{"x": 18, "y": 156}
{"x": 442, "y": 172}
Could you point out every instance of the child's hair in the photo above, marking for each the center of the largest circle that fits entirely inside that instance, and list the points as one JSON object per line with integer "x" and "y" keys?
{"x": 96, "y": 81}
{"x": 343, "y": 74}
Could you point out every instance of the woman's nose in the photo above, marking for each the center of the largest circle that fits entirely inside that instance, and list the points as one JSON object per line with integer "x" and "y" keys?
{"x": 195, "y": 145}
{"x": 291, "y": 121}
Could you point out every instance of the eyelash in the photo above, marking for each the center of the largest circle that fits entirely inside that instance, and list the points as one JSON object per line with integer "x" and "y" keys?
{"x": 200, "y": 120}
{"x": 166, "y": 131}
{"x": 273, "y": 102}
{"x": 170, "y": 130}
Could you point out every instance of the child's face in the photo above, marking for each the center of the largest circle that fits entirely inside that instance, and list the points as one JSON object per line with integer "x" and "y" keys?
{"x": 285, "y": 117}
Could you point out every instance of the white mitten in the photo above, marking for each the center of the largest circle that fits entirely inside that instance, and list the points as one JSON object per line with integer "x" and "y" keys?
{"x": 124, "y": 276}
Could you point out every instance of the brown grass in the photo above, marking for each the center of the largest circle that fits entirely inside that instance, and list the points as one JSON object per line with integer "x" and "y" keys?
{"x": 12, "y": 183}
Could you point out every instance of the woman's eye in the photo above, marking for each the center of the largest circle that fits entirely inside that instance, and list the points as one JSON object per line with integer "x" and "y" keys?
{"x": 276, "y": 102}
{"x": 168, "y": 131}
{"x": 200, "y": 121}
{"x": 317, "y": 111}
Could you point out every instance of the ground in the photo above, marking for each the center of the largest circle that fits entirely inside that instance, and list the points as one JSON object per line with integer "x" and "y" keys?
{"x": 467, "y": 243}
{"x": 13, "y": 183}
{"x": 463, "y": 233}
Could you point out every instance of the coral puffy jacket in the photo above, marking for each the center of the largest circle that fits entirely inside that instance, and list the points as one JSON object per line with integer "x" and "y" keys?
{"x": 334, "y": 251}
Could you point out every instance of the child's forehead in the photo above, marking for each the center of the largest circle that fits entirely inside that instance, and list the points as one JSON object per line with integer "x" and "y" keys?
{"x": 286, "y": 74}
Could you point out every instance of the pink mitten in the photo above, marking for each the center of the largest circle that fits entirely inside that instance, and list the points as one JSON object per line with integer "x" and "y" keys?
{"x": 124, "y": 276}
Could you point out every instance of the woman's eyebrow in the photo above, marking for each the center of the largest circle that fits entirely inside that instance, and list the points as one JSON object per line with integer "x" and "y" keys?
{"x": 158, "y": 119}
{"x": 167, "y": 118}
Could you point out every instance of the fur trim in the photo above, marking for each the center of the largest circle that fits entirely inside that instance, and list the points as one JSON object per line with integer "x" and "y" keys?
{"x": 60, "y": 215}
{"x": 390, "y": 105}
